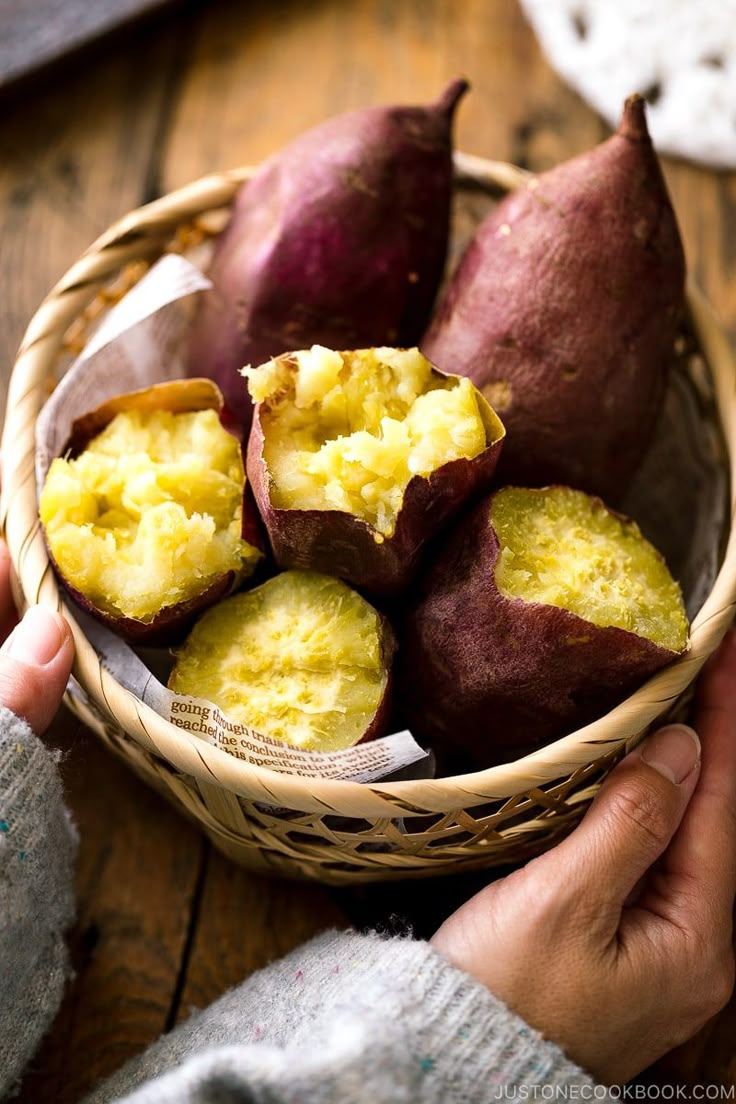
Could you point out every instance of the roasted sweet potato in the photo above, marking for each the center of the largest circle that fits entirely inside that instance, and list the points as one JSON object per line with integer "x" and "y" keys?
{"x": 339, "y": 239}
{"x": 564, "y": 312}
{"x": 541, "y": 611}
{"x": 145, "y": 515}
{"x": 357, "y": 458}
{"x": 302, "y": 658}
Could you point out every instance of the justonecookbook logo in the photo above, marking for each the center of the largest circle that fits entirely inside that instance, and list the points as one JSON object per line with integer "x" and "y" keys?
{"x": 552, "y": 1092}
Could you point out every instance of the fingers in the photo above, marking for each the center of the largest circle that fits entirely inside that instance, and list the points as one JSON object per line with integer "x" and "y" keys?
{"x": 699, "y": 871}
{"x": 630, "y": 824}
{"x": 8, "y": 615}
{"x": 35, "y": 662}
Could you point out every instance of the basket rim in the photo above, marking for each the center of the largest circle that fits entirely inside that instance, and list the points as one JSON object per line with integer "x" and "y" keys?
{"x": 145, "y": 232}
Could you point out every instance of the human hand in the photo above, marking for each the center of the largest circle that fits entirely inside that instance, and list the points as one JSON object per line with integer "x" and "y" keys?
{"x": 617, "y": 944}
{"x": 35, "y": 659}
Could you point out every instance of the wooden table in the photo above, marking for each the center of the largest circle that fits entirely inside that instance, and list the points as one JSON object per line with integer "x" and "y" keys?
{"x": 165, "y": 924}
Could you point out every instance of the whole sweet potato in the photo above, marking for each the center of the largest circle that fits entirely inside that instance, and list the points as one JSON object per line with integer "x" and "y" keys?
{"x": 340, "y": 239}
{"x": 540, "y": 612}
{"x": 564, "y": 310}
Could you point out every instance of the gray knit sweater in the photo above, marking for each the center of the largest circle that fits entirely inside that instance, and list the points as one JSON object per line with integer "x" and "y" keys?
{"x": 347, "y": 1018}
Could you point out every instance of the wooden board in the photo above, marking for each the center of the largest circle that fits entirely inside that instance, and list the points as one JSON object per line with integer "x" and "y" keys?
{"x": 34, "y": 33}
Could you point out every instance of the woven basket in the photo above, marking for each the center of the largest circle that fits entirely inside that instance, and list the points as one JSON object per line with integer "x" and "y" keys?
{"x": 331, "y": 831}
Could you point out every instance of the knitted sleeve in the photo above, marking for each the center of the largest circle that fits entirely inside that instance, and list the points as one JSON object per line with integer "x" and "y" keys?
{"x": 37, "y": 852}
{"x": 352, "y": 1018}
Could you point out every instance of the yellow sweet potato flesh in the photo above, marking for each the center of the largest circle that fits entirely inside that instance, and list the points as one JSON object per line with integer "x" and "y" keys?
{"x": 149, "y": 514}
{"x": 299, "y": 658}
{"x": 348, "y": 431}
{"x": 559, "y": 547}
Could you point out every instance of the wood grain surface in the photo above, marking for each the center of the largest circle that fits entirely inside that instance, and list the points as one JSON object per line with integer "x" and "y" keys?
{"x": 36, "y": 33}
{"x": 164, "y": 923}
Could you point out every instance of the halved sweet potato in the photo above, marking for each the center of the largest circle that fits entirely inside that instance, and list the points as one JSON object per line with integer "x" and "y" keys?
{"x": 542, "y": 610}
{"x": 146, "y": 516}
{"x": 302, "y": 659}
{"x": 357, "y": 458}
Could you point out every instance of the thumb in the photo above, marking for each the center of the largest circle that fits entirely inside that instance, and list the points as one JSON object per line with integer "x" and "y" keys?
{"x": 35, "y": 662}
{"x": 632, "y": 820}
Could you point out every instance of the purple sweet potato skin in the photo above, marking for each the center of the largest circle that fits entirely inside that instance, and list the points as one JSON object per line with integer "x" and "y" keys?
{"x": 168, "y": 627}
{"x": 564, "y": 311}
{"x": 494, "y": 677}
{"x": 340, "y": 239}
{"x": 344, "y": 545}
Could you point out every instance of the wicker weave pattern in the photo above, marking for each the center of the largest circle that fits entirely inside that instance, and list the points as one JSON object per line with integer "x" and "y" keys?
{"x": 329, "y": 830}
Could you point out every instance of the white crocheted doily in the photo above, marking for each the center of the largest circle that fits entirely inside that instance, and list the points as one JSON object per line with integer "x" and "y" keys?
{"x": 680, "y": 54}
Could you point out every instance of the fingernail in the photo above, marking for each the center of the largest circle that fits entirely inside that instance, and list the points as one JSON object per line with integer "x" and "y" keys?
{"x": 38, "y": 638}
{"x": 673, "y": 751}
